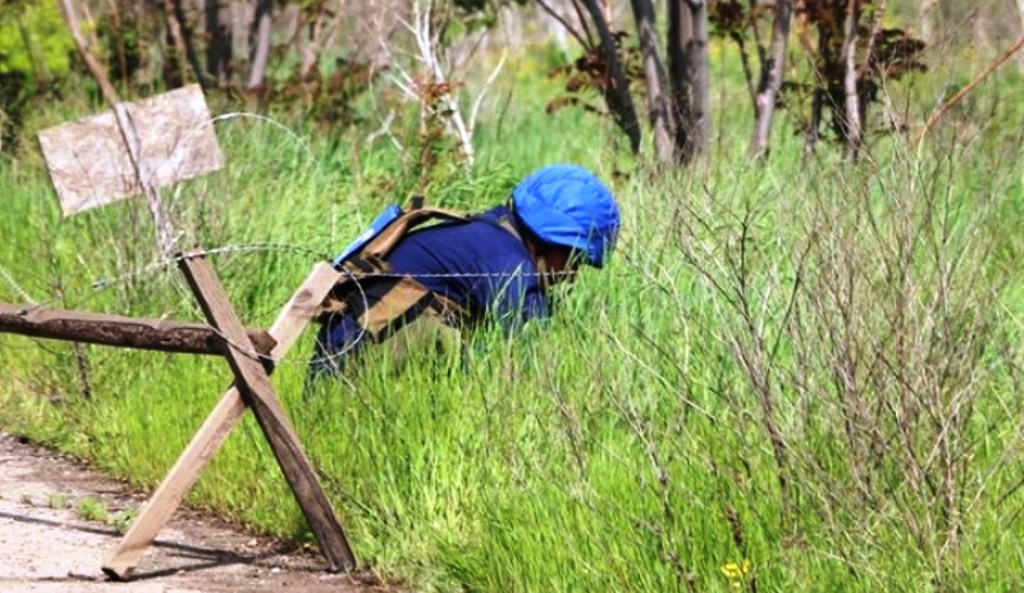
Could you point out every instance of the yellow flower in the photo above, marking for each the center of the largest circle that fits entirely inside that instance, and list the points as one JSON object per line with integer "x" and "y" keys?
{"x": 732, "y": 571}
{"x": 736, "y": 572}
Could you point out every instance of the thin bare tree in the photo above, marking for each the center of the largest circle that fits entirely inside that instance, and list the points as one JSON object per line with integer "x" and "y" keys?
{"x": 618, "y": 97}
{"x": 771, "y": 79}
{"x": 659, "y": 109}
{"x": 219, "y": 33}
{"x": 688, "y": 70}
{"x": 95, "y": 68}
{"x": 259, "y": 43}
{"x": 853, "y": 125}
{"x": 436, "y": 85}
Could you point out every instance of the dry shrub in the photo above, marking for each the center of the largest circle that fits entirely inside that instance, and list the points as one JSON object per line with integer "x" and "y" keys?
{"x": 868, "y": 327}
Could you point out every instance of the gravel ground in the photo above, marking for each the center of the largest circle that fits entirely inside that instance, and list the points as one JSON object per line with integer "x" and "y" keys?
{"x": 46, "y": 546}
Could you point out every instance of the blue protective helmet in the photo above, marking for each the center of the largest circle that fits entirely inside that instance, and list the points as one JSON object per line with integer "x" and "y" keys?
{"x": 567, "y": 205}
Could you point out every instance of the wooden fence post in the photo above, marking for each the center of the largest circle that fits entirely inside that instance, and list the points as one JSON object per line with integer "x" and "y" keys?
{"x": 286, "y": 330}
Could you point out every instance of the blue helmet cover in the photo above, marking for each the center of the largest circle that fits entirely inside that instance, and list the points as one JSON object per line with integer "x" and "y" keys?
{"x": 568, "y": 205}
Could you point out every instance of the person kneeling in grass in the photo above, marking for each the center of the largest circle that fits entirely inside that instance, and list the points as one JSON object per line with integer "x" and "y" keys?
{"x": 498, "y": 265}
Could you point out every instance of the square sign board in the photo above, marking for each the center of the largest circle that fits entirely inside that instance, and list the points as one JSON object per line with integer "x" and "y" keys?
{"x": 90, "y": 164}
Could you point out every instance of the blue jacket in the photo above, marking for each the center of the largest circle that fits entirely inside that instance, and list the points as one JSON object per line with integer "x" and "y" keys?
{"x": 478, "y": 264}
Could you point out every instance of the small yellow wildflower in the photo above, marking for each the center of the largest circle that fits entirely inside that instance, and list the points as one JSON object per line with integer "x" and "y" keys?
{"x": 736, "y": 572}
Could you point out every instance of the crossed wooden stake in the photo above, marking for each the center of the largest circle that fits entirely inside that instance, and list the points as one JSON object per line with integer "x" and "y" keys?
{"x": 252, "y": 389}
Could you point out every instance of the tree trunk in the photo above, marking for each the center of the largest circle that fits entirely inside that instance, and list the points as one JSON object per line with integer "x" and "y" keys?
{"x": 91, "y": 63}
{"x": 218, "y": 52}
{"x": 174, "y": 68}
{"x": 927, "y": 19}
{"x": 658, "y": 111}
{"x": 688, "y": 66}
{"x": 259, "y": 43}
{"x": 617, "y": 96}
{"x": 699, "y": 71}
{"x": 771, "y": 79}
{"x": 851, "y": 123}
{"x": 188, "y": 38}
{"x": 680, "y": 30}
{"x": 606, "y": 9}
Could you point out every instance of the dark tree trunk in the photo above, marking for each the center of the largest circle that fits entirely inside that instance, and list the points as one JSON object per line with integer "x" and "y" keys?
{"x": 771, "y": 79}
{"x": 617, "y": 96}
{"x": 188, "y": 38}
{"x": 659, "y": 112}
{"x": 688, "y": 69}
{"x": 698, "y": 67}
{"x": 174, "y": 66}
{"x": 680, "y": 31}
{"x": 218, "y": 51}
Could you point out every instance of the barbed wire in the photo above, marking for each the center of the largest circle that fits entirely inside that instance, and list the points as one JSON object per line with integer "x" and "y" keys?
{"x": 164, "y": 263}
{"x": 167, "y": 262}
{"x": 332, "y": 358}
{"x": 17, "y": 288}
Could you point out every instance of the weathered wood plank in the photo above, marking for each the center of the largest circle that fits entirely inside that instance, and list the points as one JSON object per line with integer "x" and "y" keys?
{"x": 286, "y": 329}
{"x": 254, "y": 383}
{"x": 90, "y": 163}
{"x": 163, "y": 335}
{"x": 167, "y": 498}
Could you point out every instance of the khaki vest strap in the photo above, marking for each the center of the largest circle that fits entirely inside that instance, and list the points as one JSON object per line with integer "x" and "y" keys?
{"x": 382, "y": 244}
{"x": 404, "y": 300}
{"x": 506, "y": 223}
{"x": 395, "y": 302}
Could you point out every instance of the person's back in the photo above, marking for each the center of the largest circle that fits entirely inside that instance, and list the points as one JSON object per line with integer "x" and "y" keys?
{"x": 494, "y": 266}
{"x": 481, "y": 265}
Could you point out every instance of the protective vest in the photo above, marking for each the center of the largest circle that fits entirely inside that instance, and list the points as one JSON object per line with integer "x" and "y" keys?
{"x": 382, "y": 302}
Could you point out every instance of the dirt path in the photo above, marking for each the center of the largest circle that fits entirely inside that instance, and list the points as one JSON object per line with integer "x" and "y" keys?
{"x": 47, "y": 547}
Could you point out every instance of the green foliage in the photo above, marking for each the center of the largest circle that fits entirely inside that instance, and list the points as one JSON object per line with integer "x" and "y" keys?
{"x": 91, "y": 509}
{"x": 122, "y": 521}
{"x": 35, "y": 53}
{"x": 34, "y": 41}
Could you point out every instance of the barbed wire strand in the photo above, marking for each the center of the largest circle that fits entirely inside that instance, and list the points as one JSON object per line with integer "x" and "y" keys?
{"x": 332, "y": 358}
{"x": 17, "y": 288}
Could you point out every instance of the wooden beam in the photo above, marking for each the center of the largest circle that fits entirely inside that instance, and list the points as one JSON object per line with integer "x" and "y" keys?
{"x": 167, "y": 498}
{"x": 164, "y": 335}
{"x": 254, "y": 383}
{"x": 286, "y": 329}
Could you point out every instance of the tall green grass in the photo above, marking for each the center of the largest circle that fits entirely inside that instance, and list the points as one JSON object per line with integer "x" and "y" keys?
{"x": 868, "y": 316}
